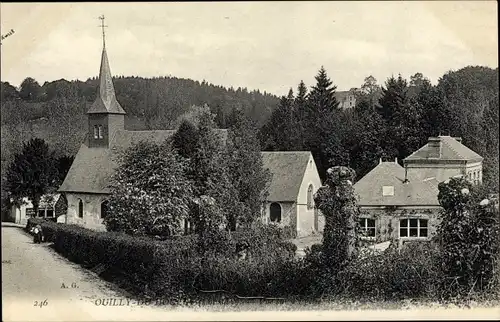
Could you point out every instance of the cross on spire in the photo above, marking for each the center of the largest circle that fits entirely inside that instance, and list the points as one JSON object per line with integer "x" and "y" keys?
{"x": 103, "y": 34}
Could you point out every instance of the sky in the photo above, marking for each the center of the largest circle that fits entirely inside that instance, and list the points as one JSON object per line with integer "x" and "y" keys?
{"x": 270, "y": 46}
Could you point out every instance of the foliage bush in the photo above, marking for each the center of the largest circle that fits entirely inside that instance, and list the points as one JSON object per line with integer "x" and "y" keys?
{"x": 173, "y": 269}
{"x": 49, "y": 227}
{"x": 469, "y": 236}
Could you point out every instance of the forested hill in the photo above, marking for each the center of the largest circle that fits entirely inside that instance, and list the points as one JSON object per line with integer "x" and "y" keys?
{"x": 55, "y": 111}
{"x": 155, "y": 101}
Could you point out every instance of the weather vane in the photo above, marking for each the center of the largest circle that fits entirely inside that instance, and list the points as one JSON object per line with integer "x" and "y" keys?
{"x": 102, "y": 27}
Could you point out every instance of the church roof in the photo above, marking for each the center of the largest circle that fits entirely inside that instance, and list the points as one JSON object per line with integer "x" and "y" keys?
{"x": 105, "y": 101}
{"x": 369, "y": 189}
{"x": 92, "y": 168}
{"x": 444, "y": 148}
{"x": 287, "y": 169}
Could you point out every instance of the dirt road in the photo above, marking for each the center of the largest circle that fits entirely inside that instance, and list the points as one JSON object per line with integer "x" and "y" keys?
{"x": 39, "y": 284}
{"x": 33, "y": 276}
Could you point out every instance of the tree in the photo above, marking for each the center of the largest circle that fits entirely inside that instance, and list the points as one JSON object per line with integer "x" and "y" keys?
{"x": 401, "y": 118}
{"x": 185, "y": 139}
{"x": 209, "y": 173}
{"x": 30, "y": 90}
{"x": 468, "y": 236}
{"x": 370, "y": 91}
{"x": 337, "y": 202}
{"x": 416, "y": 82}
{"x": 366, "y": 139}
{"x": 150, "y": 194}
{"x": 32, "y": 173}
{"x": 280, "y": 132}
{"x": 323, "y": 128}
{"x": 246, "y": 172}
{"x": 63, "y": 164}
{"x": 8, "y": 92}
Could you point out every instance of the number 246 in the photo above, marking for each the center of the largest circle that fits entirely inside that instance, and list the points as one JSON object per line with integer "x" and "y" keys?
{"x": 41, "y": 303}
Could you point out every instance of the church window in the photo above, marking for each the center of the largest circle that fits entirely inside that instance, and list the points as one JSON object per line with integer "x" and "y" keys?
{"x": 100, "y": 132}
{"x": 80, "y": 208}
{"x": 104, "y": 209}
{"x": 275, "y": 212}
{"x": 96, "y": 132}
{"x": 310, "y": 197}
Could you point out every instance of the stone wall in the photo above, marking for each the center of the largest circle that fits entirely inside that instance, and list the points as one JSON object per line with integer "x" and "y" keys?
{"x": 387, "y": 221}
{"x": 288, "y": 214}
{"x": 91, "y": 210}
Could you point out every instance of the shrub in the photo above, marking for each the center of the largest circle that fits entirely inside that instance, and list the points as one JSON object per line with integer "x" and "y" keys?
{"x": 468, "y": 235}
{"x": 173, "y": 269}
{"x": 392, "y": 275}
{"x": 49, "y": 227}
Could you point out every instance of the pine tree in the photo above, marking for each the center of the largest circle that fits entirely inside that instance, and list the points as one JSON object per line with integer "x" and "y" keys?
{"x": 322, "y": 122}
{"x": 208, "y": 170}
{"x": 366, "y": 146}
{"x": 185, "y": 139}
{"x": 246, "y": 172}
{"x": 401, "y": 118}
{"x": 278, "y": 133}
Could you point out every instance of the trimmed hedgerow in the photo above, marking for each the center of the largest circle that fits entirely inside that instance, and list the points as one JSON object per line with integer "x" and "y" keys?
{"x": 173, "y": 269}
{"x": 49, "y": 227}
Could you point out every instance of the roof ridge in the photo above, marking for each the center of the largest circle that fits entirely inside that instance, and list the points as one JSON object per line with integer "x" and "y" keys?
{"x": 451, "y": 147}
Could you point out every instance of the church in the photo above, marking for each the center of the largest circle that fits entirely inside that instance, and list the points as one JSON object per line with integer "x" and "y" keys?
{"x": 294, "y": 182}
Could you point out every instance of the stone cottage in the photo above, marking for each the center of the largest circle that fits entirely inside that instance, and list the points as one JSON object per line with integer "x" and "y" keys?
{"x": 444, "y": 157}
{"x": 401, "y": 202}
{"x": 394, "y": 206}
{"x": 294, "y": 182}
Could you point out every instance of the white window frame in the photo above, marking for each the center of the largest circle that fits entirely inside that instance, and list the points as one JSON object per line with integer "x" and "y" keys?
{"x": 99, "y": 131}
{"x": 96, "y": 132}
{"x": 365, "y": 227}
{"x": 310, "y": 197}
{"x": 408, "y": 220}
{"x": 387, "y": 191}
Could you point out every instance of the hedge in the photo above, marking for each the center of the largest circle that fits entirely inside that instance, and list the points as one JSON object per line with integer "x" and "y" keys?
{"x": 173, "y": 269}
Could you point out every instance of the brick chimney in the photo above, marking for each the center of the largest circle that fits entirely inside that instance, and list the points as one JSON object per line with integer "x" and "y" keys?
{"x": 434, "y": 145}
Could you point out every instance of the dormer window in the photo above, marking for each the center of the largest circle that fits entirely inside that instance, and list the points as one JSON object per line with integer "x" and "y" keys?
{"x": 388, "y": 190}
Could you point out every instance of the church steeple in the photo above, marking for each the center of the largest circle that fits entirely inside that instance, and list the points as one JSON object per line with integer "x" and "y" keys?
{"x": 105, "y": 117}
{"x": 105, "y": 101}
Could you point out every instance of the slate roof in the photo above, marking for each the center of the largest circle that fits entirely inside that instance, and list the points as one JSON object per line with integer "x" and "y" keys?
{"x": 106, "y": 99}
{"x": 287, "y": 170}
{"x": 450, "y": 149}
{"x": 92, "y": 168}
{"x": 413, "y": 193}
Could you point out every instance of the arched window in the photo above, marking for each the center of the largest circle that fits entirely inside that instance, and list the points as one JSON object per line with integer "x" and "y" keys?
{"x": 275, "y": 212}
{"x": 310, "y": 197}
{"x": 100, "y": 132}
{"x": 96, "y": 132}
{"x": 104, "y": 209}
{"x": 80, "y": 208}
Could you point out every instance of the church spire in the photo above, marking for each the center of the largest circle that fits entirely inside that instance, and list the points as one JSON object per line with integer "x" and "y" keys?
{"x": 106, "y": 99}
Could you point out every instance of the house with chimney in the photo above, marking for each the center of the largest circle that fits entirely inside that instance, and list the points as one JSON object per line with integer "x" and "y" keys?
{"x": 86, "y": 186}
{"x": 401, "y": 202}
